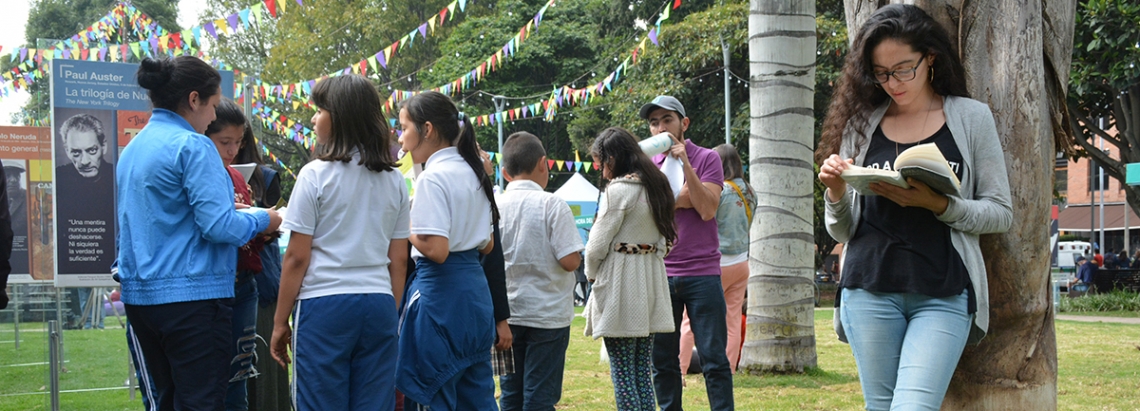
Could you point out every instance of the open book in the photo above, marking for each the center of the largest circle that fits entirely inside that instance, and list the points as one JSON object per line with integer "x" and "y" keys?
{"x": 923, "y": 162}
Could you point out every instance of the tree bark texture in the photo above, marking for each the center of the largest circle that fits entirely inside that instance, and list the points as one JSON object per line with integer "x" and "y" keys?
{"x": 1016, "y": 54}
{"x": 780, "y": 336}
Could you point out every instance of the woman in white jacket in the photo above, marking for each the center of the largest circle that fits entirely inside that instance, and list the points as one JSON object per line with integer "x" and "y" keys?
{"x": 625, "y": 261}
{"x": 914, "y": 287}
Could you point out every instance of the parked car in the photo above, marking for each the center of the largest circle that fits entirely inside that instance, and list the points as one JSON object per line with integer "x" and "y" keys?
{"x": 823, "y": 276}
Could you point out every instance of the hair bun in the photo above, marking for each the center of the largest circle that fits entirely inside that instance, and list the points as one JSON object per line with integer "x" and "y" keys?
{"x": 155, "y": 73}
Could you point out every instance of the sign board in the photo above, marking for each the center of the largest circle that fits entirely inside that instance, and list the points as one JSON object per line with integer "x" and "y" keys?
{"x": 96, "y": 108}
{"x": 26, "y": 156}
{"x": 1132, "y": 177}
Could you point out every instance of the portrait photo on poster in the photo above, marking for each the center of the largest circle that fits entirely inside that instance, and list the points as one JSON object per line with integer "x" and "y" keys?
{"x": 84, "y": 154}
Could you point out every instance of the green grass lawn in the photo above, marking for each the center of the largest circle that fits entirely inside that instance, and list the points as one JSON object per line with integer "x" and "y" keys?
{"x": 1099, "y": 369}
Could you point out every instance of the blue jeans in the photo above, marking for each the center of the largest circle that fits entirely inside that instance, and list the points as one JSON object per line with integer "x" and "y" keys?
{"x": 704, "y": 298}
{"x": 540, "y": 359}
{"x": 906, "y": 346}
{"x": 244, "y": 326}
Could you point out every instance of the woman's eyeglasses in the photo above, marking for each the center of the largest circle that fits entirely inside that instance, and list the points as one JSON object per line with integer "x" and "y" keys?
{"x": 900, "y": 75}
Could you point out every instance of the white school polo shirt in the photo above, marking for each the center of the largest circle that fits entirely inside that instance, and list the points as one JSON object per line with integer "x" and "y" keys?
{"x": 451, "y": 203}
{"x": 352, "y": 214}
{"x": 538, "y": 230}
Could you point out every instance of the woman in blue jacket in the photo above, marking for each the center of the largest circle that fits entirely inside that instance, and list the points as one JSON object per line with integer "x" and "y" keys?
{"x": 178, "y": 238}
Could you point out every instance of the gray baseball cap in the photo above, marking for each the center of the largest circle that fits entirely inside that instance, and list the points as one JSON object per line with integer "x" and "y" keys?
{"x": 665, "y": 102}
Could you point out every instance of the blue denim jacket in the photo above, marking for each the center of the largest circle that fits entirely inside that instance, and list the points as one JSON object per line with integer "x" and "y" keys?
{"x": 731, "y": 218}
{"x": 178, "y": 230}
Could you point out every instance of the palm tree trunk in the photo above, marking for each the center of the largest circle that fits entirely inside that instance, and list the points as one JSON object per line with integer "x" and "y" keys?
{"x": 780, "y": 336}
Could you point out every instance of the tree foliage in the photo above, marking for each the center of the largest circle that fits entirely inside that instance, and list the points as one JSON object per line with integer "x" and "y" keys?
{"x": 1105, "y": 84}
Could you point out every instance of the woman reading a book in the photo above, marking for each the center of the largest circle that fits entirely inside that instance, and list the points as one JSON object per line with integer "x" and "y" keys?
{"x": 914, "y": 291}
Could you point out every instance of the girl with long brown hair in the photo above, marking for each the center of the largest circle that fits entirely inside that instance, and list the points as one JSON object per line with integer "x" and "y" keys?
{"x": 625, "y": 260}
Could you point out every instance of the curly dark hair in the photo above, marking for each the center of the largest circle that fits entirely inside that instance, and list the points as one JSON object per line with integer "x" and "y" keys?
{"x": 857, "y": 95}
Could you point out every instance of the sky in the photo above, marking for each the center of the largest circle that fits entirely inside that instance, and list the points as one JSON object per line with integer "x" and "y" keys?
{"x": 12, "y": 37}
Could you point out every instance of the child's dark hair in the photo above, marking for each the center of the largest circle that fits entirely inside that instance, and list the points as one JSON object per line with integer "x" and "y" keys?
{"x": 521, "y": 153}
{"x": 251, "y": 153}
{"x": 228, "y": 114}
{"x": 617, "y": 149}
{"x": 170, "y": 81}
{"x": 856, "y": 95}
{"x": 453, "y": 127}
{"x": 357, "y": 122}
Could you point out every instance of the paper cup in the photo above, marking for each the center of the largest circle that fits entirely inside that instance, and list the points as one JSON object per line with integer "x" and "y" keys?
{"x": 657, "y": 144}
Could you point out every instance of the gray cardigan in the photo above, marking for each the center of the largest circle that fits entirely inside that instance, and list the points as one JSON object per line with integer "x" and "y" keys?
{"x": 983, "y": 206}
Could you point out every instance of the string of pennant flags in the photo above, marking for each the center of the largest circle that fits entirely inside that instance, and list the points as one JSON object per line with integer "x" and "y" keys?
{"x": 488, "y": 65}
{"x": 547, "y": 109}
{"x": 278, "y": 123}
{"x": 302, "y": 89}
{"x": 265, "y": 150}
{"x": 575, "y": 165}
{"x": 100, "y": 31}
{"x": 560, "y": 96}
{"x": 298, "y": 93}
{"x": 91, "y": 43}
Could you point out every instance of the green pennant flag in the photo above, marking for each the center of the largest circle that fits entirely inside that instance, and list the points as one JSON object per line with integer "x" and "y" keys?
{"x": 135, "y": 49}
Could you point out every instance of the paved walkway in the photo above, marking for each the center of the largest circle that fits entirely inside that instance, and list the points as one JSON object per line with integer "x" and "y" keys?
{"x": 1066, "y": 317}
{"x": 1091, "y": 319}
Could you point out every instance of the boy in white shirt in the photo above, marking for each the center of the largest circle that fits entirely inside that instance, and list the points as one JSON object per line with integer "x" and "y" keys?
{"x": 540, "y": 247}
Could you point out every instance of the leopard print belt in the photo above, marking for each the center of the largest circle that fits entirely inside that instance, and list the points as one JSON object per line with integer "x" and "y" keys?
{"x": 627, "y": 248}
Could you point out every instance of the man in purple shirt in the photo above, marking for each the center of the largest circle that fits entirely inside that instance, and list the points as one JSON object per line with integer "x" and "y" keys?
{"x": 693, "y": 265}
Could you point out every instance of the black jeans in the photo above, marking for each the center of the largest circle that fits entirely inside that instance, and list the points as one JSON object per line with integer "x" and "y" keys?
{"x": 186, "y": 351}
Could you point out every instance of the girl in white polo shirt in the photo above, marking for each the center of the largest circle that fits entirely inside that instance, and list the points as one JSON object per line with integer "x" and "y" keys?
{"x": 344, "y": 269}
{"x": 447, "y": 328}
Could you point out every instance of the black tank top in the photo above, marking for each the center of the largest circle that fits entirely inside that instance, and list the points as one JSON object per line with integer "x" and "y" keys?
{"x": 899, "y": 249}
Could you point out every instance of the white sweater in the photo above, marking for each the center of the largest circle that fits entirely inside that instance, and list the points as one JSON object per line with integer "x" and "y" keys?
{"x": 630, "y": 297}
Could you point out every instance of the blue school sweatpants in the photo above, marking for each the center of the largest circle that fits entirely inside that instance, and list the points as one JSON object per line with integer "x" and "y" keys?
{"x": 344, "y": 349}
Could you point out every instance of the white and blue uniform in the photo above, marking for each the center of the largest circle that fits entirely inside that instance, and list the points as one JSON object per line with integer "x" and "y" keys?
{"x": 447, "y": 328}
{"x": 345, "y": 321}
